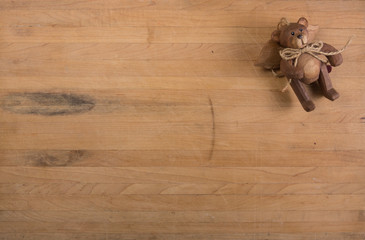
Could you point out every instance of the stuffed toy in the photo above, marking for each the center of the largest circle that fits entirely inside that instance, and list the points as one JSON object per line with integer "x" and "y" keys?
{"x": 292, "y": 50}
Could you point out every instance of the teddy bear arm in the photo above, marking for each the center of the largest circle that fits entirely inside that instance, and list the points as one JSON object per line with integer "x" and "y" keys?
{"x": 334, "y": 60}
{"x": 291, "y": 72}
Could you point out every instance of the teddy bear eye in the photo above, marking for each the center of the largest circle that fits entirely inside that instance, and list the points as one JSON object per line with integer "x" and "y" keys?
{"x": 292, "y": 33}
{"x": 301, "y": 30}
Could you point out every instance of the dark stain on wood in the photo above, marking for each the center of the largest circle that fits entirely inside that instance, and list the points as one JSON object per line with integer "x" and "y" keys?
{"x": 56, "y": 158}
{"x": 361, "y": 216}
{"x": 151, "y": 35}
{"x": 47, "y": 104}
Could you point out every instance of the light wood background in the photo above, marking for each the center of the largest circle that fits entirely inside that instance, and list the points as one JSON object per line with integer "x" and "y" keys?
{"x": 146, "y": 119}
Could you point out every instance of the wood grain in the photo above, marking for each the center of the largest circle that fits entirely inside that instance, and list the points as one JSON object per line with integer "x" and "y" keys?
{"x": 202, "y": 236}
{"x": 236, "y": 5}
{"x": 183, "y": 202}
{"x": 148, "y": 120}
{"x": 182, "y": 158}
{"x": 157, "y": 34}
{"x": 183, "y": 217}
{"x": 183, "y": 175}
{"x": 199, "y": 18}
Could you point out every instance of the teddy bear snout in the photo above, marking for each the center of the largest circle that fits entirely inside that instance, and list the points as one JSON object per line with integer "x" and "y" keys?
{"x": 300, "y": 36}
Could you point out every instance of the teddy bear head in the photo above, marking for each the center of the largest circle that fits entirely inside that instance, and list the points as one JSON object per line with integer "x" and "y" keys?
{"x": 292, "y": 35}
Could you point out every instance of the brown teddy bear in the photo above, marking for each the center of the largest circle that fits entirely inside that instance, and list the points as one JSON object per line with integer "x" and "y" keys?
{"x": 270, "y": 58}
{"x": 302, "y": 62}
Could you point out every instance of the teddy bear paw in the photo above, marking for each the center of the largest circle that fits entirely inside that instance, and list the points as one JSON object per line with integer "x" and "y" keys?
{"x": 308, "y": 106}
{"x": 332, "y": 94}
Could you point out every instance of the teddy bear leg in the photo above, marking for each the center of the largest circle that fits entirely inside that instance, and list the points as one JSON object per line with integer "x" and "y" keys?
{"x": 302, "y": 95}
{"x": 326, "y": 84}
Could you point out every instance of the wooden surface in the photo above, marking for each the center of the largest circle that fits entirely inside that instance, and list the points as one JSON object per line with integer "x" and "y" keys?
{"x": 128, "y": 119}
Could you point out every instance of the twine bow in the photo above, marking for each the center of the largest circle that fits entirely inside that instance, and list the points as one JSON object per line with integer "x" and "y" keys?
{"x": 314, "y": 49}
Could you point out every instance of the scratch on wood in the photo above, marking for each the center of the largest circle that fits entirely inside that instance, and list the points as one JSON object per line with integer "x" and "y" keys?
{"x": 213, "y": 130}
{"x": 23, "y": 31}
{"x": 47, "y": 104}
{"x": 56, "y": 158}
{"x": 305, "y": 172}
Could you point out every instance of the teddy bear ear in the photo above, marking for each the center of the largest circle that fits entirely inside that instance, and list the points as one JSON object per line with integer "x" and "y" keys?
{"x": 283, "y": 23}
{"x": 303, "y": 21}
{"x": 275, "y": 36}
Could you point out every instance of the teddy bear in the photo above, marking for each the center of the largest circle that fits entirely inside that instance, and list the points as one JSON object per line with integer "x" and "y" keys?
{"x": 303, "y": 62}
